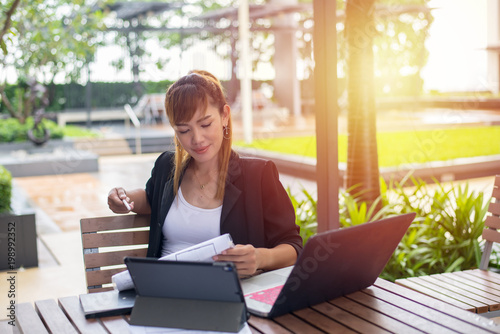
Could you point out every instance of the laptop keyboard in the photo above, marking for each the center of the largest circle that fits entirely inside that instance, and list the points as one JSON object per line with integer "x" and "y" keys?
{"x": 267, "y": 296}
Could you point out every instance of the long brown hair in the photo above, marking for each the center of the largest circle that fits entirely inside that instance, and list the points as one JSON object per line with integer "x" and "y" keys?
{"x": 183, "y": 98}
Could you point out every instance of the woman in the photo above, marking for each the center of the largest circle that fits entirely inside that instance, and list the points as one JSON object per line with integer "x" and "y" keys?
{"x": 205, "y": 189}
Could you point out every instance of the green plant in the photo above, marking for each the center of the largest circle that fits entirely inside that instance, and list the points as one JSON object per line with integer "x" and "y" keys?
{"x": 5, "y": 189}
{"x": 353, "y": 211}
{"x": 444, "y": 237}
{"x": 306, "y": 213}
{"x": 11, "y": 130}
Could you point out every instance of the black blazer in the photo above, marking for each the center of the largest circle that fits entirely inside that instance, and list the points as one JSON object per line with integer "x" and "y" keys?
{"x": 256, "y": 209}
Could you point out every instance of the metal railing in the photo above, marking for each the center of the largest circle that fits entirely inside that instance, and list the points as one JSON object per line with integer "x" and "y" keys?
{"x": 132, "y": 117}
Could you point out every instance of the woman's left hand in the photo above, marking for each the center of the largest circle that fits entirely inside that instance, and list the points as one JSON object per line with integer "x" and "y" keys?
{"x": 244, "y": 257}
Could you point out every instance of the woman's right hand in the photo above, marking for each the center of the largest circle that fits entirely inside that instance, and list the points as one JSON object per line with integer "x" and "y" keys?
{"x": 118, "y": 201}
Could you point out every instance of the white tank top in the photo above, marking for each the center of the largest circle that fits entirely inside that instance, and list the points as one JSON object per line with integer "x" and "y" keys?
{"x": 187, "y": 225}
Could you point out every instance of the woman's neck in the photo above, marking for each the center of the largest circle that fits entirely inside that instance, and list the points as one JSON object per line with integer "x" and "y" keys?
{"x": 207, "y": 168}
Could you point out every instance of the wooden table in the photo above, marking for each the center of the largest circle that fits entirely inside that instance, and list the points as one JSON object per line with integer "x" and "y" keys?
{"x": 473, "y": 290}
{"x": 382, "y": 308}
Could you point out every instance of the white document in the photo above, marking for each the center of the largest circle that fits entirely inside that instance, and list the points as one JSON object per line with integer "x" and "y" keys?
{"x": 202, "y": 252}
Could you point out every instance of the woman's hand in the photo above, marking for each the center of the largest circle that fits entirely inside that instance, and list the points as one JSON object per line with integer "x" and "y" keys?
{"x": 244, "y": 257}
{"x": 249, "y": 259}
{"x": 119, "y": 202}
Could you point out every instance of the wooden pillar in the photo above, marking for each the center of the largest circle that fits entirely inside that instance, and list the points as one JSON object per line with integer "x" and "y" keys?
{"x": 325, "y": 74}
{"x": 286, "y": 84}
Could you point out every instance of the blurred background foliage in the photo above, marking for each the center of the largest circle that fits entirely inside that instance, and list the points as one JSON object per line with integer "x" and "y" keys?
{"x": 44, "y": 39}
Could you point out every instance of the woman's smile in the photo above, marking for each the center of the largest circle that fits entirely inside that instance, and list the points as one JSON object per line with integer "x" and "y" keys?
{"x": 201, "y": 150}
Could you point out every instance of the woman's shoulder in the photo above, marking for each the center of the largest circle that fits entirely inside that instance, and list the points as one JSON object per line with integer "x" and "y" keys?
{"x": 166, "y": 157}
{"x": 254, "y": 164}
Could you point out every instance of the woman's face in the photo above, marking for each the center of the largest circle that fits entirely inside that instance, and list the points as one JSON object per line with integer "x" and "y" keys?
{"x": 202, "y": 136}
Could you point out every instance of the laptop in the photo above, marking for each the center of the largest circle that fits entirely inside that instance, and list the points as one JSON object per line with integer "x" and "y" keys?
{"x": 332, "y": 264}
{"x": 187, "y": 295}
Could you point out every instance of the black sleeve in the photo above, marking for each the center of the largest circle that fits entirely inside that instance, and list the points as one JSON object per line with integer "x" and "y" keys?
{"x": 159, "y": 174}
{"x": 279, "y": 214}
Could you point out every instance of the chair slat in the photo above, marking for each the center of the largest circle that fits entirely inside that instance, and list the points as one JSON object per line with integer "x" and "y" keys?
{"x": 99, "y": 277}
{"x": 93, "y": 290}
{"x": 89, "y": 225}
{"x": 492, "y": 221}
{"x": 115, "y": 232}
{"x": 94, "y": 240}
{"x": 494, "y": 208}
{"x": 111, "y": 258}
{"x": 496, "y": 194}
{"x": 497, "y": 181}
{"x": 491, "y": 235}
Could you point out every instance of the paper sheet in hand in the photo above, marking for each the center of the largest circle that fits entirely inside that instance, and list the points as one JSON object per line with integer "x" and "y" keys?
{"x": 201, "y": 252}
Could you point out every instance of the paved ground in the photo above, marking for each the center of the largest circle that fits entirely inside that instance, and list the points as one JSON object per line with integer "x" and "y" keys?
{"x": 62, "y": 200}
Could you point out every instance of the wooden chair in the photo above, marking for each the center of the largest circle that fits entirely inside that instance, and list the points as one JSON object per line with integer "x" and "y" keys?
{"x": 476, "y": 290}
{"x": 106, "y": 241}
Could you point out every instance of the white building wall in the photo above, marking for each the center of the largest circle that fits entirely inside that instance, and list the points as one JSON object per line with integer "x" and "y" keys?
{"x": 493, "y": 35}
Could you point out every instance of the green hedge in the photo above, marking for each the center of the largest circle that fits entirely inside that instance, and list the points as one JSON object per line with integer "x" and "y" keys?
{"x": 104, "y": 94}
{"x": 5, "y": 189}
{"x": 11, "y": 130}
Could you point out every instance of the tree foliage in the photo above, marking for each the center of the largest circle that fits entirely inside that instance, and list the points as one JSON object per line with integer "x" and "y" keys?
{"x": 43, "y": 39}
{"x": 399, "y": 33}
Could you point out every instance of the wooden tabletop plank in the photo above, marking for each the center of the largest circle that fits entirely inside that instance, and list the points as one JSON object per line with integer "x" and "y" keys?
{"x": 296, "y": 325}
{"x": 482, "y": 284}
{"x": 28, "y": 321}
{"x": 324, "y": 323}
{"x": 432, "y": 293}
{"x": 424, "y": 318}
{"x": 485, "y": 275}
{"x": 465, "y": 283}
{"x": 336, "y": 309}
{"x": 73, "y": 309}
{"x": 466, "y": 295}
{"x": 266, "y": 325}
{"x": 254, "y": 331}
{"x": 115, "y": 325}
{"x": 53, "y": 317}
{"x": 5, "y": 328}
{"x": 481, "y": 295}
{"x": 469, "y": 322}
{"x": 397, "y": 318}
{"x": 478, "y": 281}
{"x": 431, "y": 284}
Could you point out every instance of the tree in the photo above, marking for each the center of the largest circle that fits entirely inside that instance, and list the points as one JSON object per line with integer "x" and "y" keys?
{"x": 48, "y": 38}
{"x": 399, "y": 31}
{"x": 7, "y": 23}
{"x": 362, "y": 158}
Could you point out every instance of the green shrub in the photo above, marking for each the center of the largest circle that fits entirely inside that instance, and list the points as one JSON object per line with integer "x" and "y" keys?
{"x": 306, "y": 213}
{"x": 444, "y": 237}
{"x": 5, "y": 189}
{"x": 13, "y": 131}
